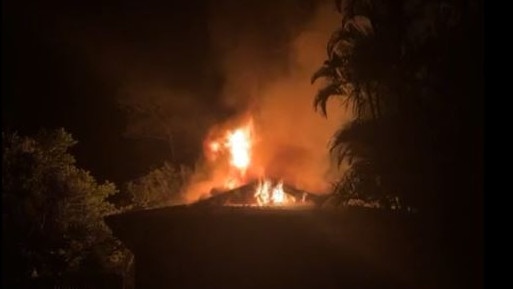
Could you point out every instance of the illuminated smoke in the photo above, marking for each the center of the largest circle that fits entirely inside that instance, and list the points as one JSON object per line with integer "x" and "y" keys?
{"x": 291, "y": 139}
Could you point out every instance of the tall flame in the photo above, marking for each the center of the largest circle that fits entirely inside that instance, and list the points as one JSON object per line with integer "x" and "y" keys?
{"x": 239, "y": 144}
{"x": 236, "y": 144}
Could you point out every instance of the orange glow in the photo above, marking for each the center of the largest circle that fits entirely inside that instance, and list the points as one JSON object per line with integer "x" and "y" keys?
{"x": 214, "y": 146}
{"x": 262, "y": 193}
{"x": 239, "y": 144}
{"x": 289, "y": 141}
{"x": 231, "y": 183}
{"x": 266, "y": 194}
{"x": 233, "y": 147}
{"x": 278, "y": 195}
{"x": 234, "y": 151}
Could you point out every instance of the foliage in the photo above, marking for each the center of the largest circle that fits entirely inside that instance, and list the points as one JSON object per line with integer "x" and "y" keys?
{"x": 159, "y": 187}
{"x": 411, "y": 72}
{"x": 52, "y": 210}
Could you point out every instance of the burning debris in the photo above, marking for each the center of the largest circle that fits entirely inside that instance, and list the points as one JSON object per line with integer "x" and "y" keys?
{"x": 262, "y": 193}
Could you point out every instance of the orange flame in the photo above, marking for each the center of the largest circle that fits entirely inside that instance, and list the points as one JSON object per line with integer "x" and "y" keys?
{"x": 278, "y": 195}
{"x": 239, "y": 144}
{"x": 235, "y": 144}
{"x": 266, "y": 194}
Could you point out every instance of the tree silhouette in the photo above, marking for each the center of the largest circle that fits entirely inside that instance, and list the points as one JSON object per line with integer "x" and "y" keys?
{"x": 411, "y": 71}
{"x": 159, "y": 187}
{"x": 53, "y": 211}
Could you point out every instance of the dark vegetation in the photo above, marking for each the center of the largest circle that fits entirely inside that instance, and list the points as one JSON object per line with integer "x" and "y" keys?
{"x": 412, "y": 72}
{"x": 53, "y": 211}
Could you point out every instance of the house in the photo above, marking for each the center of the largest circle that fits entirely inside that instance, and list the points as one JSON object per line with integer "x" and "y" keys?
{"x": 216, "y": 246}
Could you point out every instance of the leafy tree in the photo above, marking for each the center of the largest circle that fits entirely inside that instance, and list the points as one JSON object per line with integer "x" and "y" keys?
{"x": 160, "y": 187}
{"x": 53, "y": 211}
{"x": 411, "y": 70}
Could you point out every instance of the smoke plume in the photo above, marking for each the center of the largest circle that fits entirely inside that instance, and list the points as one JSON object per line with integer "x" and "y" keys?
{"x": 267, "y": 60}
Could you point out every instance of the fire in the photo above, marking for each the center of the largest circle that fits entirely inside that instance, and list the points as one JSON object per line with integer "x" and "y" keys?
{"x": 262, "y": 193}
{"x": 267, "y": 194}
{"x": 214, "y": 147}
{"x": 234, "y": 147}
{"x": 231, "y": 183}
{"x": 278, "y": 195}
{"x": 239, "y": 144}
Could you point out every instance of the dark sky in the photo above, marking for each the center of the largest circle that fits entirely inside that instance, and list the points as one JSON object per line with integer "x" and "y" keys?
{"x": 70, "y": 63}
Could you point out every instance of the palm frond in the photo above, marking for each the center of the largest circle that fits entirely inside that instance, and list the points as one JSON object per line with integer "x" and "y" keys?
{"x": 324, "y": 94}
{"x": 326, "y": 70}
{"x": 354, "y": 140}
{"x": 335, "y": 38}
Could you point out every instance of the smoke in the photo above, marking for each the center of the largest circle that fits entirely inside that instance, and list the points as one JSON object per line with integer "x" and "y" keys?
{"x": 192, "y": 69}
{"x": 183, "y": 70}
{"x": 267, "y": 58}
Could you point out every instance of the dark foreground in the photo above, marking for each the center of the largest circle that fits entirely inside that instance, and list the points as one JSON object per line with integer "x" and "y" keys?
{"x": 237, "y": 247}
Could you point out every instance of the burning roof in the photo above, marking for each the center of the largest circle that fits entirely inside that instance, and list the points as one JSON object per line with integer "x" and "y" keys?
{"x": 235, "y": 162}
{"x": 268, "y": 193}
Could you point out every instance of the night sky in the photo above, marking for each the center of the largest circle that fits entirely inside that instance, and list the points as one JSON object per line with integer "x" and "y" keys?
{"x": 72, "y": 65}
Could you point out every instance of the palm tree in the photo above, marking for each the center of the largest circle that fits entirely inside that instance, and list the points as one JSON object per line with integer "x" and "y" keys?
{"x": 404, "y": 68}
